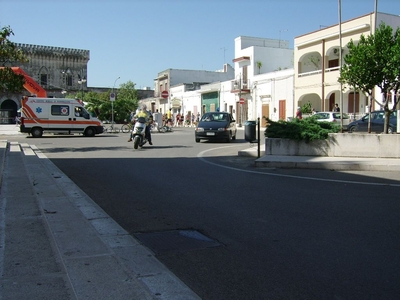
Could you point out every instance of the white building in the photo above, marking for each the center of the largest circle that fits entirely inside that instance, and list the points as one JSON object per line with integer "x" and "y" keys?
{"x": 265, "y": 83}
{"x": 317, "y": 66}
{"x": 262, "y": 84}
{"x": 188, "y": 79}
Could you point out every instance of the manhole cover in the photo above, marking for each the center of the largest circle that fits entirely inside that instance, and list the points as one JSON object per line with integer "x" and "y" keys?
{"x": 176, "y": 240}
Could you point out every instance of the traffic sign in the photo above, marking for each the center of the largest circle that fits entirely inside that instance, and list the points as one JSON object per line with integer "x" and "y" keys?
{"x": 112, "y": 97}
{"x": 241, "y": 101}
{"x": 164, "y": 94}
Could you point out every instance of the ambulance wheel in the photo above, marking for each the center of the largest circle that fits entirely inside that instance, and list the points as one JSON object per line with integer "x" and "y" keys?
{"x": 90, "y": 132}
{"x": 37, "y": 132}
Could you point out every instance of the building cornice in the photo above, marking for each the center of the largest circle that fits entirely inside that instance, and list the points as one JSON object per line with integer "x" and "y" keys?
{"x": 54, "y": 51}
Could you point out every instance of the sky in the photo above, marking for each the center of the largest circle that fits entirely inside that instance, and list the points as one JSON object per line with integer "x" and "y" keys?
{"x": 137, "y": 39}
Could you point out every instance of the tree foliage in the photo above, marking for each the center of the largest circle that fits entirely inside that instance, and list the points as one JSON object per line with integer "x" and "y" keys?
{"x": 9, "y": 55}
{"x": 126, "y": 101}
{"x": 375, "y": 61}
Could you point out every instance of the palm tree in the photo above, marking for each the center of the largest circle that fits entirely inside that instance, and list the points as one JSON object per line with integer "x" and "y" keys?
{"x": 259, "y": 65}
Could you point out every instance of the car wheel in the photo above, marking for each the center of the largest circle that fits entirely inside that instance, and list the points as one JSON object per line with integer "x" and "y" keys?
{"x": 390, "y": 130}
{"x": 37, "y": 132}
{"x": 351, "y": 129}
{"x": 90, "y": 132}
{"x": 197, "y": 140}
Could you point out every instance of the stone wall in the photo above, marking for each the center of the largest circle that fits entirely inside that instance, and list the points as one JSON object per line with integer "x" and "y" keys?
{"x": 339, "y": 145}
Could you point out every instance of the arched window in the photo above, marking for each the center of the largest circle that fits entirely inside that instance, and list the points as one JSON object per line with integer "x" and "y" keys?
{"x": 43, "y": 76}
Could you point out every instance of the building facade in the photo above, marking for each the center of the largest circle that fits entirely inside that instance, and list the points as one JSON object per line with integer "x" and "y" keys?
{"x": 170, "y": 80}
{"x": 261, "y": 84}
{"x": 58, "y": 70}
{"x": 317, "y": 66}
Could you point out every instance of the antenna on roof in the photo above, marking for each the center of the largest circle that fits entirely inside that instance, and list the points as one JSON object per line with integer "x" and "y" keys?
{"x": 223, "y": 48}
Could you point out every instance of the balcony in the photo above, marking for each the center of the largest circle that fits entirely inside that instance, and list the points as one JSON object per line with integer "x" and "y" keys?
{"x": 240, "y": 86}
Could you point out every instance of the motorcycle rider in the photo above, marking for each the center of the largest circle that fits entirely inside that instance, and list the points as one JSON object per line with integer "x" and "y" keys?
{"x": 143, "y": 112}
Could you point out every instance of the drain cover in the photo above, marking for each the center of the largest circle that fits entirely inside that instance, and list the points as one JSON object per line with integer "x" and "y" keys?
{"x": 176, "y": 240}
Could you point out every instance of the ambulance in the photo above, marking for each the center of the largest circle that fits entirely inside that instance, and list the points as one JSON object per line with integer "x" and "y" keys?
{"x": 57, "y": 115}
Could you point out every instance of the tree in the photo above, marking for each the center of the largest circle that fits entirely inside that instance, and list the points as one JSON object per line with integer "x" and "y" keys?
{"x": 126, "y": 101}
{"x": 99, "y": 103}
{"x": 9, "y": 55}
{"x": 259, "y": 65}
{"x": 375, "y": 61}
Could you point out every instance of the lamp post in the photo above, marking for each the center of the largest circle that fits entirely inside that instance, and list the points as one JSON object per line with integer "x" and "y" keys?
{"x": 112, "y": 99}
{"x": 81, "y": 81}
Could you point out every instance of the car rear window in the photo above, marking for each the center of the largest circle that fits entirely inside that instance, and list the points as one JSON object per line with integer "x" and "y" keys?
{"x": 322, "y": 116}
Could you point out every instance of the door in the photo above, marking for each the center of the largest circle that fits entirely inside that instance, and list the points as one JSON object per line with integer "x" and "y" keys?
{"x": 265, "y": 114}
{"x": 79, "y": 119}
{"x": 331, "y": 102}
{"x": 354, "y": 103}
{"x": 282, "y": 110}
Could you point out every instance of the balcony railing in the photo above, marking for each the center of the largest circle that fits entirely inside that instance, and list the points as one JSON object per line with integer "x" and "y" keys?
{"x": 310, "y": 73}
{"x": 243, "y": 86}
{"x": 327, "y": 70}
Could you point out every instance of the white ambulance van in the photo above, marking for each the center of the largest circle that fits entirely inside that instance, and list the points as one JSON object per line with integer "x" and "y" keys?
{"x": 57, "y": 115}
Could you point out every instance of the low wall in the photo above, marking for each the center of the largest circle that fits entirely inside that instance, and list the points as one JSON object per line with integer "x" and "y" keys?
{"x": 339, "y": 144}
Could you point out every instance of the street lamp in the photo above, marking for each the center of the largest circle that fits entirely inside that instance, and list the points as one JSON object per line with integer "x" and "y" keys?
{"x": 112, "y": 99}
{"x": 81, "y": 81}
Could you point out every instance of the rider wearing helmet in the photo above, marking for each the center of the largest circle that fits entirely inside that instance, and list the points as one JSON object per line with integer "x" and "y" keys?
{"x": 143, "y": 112}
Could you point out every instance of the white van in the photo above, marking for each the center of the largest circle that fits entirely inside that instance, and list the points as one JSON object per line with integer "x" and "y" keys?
{"x": 57, "y": 115}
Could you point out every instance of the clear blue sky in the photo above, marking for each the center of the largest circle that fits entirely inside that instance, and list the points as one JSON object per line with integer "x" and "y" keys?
{"x": 136, "y": 39}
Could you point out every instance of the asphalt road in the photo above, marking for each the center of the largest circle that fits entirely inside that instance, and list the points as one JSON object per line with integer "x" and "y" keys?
{"x": 253, "y": 233}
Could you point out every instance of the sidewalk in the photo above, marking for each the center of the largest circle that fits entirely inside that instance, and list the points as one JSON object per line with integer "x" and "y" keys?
{"x": 9, "y": 129}
{"x": 320, "y": 162}
{"x": 56, "y": 243}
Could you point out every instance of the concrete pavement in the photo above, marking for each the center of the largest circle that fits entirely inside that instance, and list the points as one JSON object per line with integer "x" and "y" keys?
{"x": 56, "y": 243}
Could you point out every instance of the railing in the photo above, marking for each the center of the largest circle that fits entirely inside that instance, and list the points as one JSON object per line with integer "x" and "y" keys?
{"x": 310, "y": 73}
{"x": 332, "y": 69}
{"x": 236, "y": 85}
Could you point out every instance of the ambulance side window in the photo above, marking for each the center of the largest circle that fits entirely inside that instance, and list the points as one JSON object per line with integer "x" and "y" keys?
{"x": 85, "y": 114}
{"x": 60, "y": 110}
{"x": 78, "y": 111}
{"x": 81, "y": 112}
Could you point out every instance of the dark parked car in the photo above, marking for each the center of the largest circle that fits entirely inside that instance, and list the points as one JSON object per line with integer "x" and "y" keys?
{"x": 216, "y": 126}
{"x": 377, "y": 123}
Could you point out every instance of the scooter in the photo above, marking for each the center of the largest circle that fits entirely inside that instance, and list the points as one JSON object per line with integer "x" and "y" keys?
{"x": 138, "y": 133}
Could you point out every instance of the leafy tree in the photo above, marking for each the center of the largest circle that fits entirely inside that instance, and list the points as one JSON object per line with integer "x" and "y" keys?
{"x": 306, "y": 108}
{"x": 126, "y": 101}
{"x": 375, "y": 61}
{"x": 9, "y": 54}
{"x": 99, "y": 103}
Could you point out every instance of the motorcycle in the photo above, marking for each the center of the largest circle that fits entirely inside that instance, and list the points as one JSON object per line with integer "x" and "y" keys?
{"x": 138, "y": 133}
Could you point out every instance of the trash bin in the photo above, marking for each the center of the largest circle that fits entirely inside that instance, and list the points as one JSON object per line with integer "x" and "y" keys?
{"x": 250, "y": 131}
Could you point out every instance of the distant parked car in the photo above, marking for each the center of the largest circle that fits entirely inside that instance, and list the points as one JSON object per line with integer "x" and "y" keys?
{"x": 377, "y": 122}
{"x": 334, "y": 117}
{"x": 216, "y": 126}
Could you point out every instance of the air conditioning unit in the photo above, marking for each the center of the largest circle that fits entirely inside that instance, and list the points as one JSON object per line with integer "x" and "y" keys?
{"x": 336, "y": 51}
